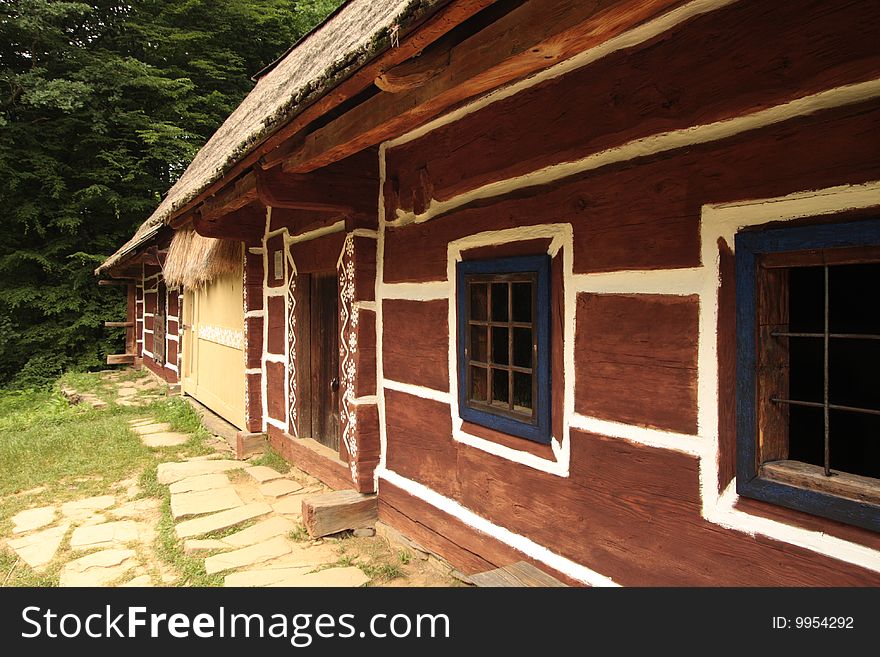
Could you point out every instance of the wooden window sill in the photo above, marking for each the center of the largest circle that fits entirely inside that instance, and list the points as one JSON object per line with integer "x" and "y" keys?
{"x": 513, "y": 442}
{"x": 812, "y": 477}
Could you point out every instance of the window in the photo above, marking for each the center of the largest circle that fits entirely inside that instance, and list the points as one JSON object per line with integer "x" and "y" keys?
{"x": 808, "y": 398}
{"x": 504, "y": 345}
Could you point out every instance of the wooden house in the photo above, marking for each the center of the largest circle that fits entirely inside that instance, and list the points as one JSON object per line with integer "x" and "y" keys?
{"x": 586, "y": 284}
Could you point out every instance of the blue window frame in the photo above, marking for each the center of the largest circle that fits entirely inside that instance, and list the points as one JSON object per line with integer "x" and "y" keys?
{"x": 793, "y": 251}
{"x": 503, "y": 310}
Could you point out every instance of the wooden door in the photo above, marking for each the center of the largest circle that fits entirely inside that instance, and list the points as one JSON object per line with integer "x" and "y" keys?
{"x": 324, "y": 347}
{"x": 160, "y": 322}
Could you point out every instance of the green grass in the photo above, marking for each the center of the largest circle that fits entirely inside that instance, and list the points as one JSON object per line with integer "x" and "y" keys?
{"x": 273, "y": 460}
{"x": 300, "y": 534}
{"x": 15, "y": 572}
{"x": 169, "y": 548}
{"x": 381, "y": 572}
{"x": 52, "y": 452}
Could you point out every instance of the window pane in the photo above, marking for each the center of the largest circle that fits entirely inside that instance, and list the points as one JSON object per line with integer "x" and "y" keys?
{"x": 522, "y": 392}
{"x": 479, "y": 384}
{"x": 500, "y": 391}
{"x": 806, "y": 299}
{"x": 479, "y": 343}
{"x": 499, "y": 302}
{"x": 848, "y": 308}
{"x": 806, "y": 362}
{"x": 479, "y": 301}
{"x": 854, "y": 446}
{"x": 852, "y": 375}
{"x": 500, "y": 345}
{"x": 522, "y": 302}
{"x": 522, "y": 347}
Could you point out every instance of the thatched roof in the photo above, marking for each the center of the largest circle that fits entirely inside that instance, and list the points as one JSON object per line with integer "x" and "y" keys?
{"x": 345, "y": 41}
{"x": 194, "y": 260}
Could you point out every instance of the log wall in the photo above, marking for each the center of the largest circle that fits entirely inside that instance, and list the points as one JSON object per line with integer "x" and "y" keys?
{"x": 614, "y": 168}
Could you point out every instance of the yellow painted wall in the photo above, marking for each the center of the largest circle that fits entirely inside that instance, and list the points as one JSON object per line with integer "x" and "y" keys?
{"x": 213, "y": 356}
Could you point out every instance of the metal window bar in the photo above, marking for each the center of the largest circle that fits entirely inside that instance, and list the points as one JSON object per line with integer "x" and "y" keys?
{"x": 826, "y": 404}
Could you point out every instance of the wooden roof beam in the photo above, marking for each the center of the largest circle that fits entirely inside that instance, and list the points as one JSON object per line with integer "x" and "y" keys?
{"x": 228, "y": 200}
{"x": 531, "y": 37}
{"x": 321, "y": 191}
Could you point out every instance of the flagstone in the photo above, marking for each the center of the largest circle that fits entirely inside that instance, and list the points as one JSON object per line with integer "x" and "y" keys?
{"x": 31, "y": 519}
{"x": 168, "y": 473}
{"x": 222, "y": 520}
{"x": 263, "y": 473}
{"x": 200, "y": 482}
{"x": 157, "y": 427}
{"x": 253, "y": 554}
{"x": 197, "y": 503}
{"x": 108, "y": 534}
{"x": 262, "y": 531}
{"x": 280, "y": 488}
{"x": 348, "y": 576}
{"x": 304, "y": 554}
{"x": 136, "y": 508}
{"x": 39, "y": 548}
{"x": 98, "y": 568}
{"x": 140, "y": 581}
{"x": 88, "y": 505}
{"x": 290, "y": 504}
{"x": 164, "y": 439}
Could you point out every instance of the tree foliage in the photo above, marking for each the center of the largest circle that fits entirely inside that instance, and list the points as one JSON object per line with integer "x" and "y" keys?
{"x": 102, "y": 106}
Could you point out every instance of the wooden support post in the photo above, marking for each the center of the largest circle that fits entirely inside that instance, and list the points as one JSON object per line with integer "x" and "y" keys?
{"x": 337, "y": 511}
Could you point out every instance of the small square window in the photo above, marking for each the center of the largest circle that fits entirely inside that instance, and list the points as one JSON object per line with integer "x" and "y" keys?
{"x": 808, "y": 343}
{"x": 503, "y": 345}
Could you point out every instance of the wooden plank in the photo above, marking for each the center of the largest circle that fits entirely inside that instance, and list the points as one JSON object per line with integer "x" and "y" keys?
{"x": 726, "y": 342}
{"x": 245, "y": 224}
{"x": 660, "y": 197}
{"x": 240, "y": 193}
{"x": 277, "y": 318}
{"x": 331, "y": 513}
{"x": 636, "y": 359}
{"x": 280, "y": 144}
{"x": 419, "y": 442}
{"x": 772, "y": 375}
{"x": 318, "y": 255}
{"x": 416, "y": 342}
{"x": 275, "y": 387}
{"x": 311, "y": 457}
{"x": 317, "y": 192}
{"x": 532, "y": 36}
{"x": 303, "y": 294}
{"x": 463, "y": 546}
{"x": 118, "y": 324}
{"x": 120, "y": 359}
{"x": 812, "y": 477}
{"x": 738, "y": 59}
{"x": 519, "y": 574}
{"x": 633, "y": 513}
{"x": 849, "y": 533}
{"x": 115, "y": 281}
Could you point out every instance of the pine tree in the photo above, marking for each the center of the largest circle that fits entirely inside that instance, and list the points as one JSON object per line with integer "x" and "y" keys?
{"x": 102, "y": 105}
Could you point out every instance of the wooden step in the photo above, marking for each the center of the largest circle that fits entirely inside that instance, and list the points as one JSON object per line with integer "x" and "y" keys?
{"x": 520, "y": 573}
{"x": 120, "y": 359}
{"x": 334, "y": 512}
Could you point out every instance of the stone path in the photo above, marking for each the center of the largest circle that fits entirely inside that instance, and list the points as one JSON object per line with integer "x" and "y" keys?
{"x": 242, "y": 520}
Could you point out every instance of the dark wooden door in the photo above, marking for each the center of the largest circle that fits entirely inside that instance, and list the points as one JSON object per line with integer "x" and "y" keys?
{"x": 324, "y": 343}
{"x": 160, "y": 321}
